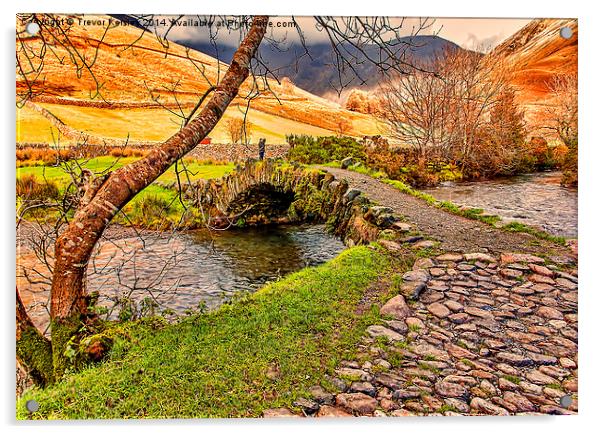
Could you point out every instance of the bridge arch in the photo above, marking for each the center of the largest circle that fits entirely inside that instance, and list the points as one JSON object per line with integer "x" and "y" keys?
{"x": 267, "y": 192}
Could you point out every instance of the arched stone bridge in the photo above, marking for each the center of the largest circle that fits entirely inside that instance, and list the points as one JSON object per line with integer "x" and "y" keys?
{"x": 267, "y": 192}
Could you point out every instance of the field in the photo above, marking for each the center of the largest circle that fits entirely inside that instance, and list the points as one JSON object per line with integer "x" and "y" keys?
{"x": 148, "y": 125}
{"x": 131, "y": 102}
{"x": 198, "y": 170}
{"x": 165, "y": 208}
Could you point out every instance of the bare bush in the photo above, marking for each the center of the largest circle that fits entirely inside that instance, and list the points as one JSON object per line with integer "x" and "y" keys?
{"x": 458, "y": 106}
{"x": 239, "y": 130}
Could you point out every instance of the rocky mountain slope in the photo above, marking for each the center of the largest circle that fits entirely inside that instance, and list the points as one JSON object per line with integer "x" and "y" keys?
{"x": 537, "y": 53}
{"x": 314, "y": 70}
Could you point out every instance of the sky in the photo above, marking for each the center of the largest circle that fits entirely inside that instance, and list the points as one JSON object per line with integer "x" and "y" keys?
{"x": 472, "y": 33}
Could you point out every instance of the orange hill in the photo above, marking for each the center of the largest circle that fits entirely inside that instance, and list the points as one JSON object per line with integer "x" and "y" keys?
{"x": 537, "y": 53}
{"x": 132, "y": 64}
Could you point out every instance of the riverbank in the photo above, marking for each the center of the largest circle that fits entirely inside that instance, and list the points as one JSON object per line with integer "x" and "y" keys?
{"x": 264, "y": 350}
{"x": 456, "y": 229}
{"x": 536, "y": 199}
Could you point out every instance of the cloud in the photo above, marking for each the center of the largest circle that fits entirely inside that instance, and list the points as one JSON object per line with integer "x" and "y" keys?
{"x": 196, "y": 28}
{"x": 483, "y": 44}
{"x": 473, "y": 33}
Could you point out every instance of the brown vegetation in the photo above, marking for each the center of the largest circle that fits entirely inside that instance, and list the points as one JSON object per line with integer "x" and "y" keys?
{"x": 124, "y": 75}
{"x": 561, "y": 117}
{"x": 29, "y": 188}
{"x": 48, "y": 156}
{"x": 459, "y": 109}
{"x": 44, "y": 155}
{"x": 240, "y": 130}
{"x": 127, "y": 152}
{"x": 363, "y": 102}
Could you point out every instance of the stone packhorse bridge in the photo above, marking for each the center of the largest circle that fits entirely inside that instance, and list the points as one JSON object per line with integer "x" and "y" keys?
{"x": 268, "y": 192}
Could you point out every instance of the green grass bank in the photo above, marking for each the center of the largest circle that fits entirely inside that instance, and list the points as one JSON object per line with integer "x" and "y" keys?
{"x": 218, "y": 364}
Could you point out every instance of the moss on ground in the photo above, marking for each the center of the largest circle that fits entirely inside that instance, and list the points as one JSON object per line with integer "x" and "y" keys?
{"x": 217, "y": 364}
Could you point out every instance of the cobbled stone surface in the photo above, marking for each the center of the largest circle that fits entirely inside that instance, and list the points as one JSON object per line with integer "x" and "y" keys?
{"x": 484, "y": 337}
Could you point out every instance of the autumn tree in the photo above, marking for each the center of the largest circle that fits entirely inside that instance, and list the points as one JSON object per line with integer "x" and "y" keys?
{"x": 417, "y": 108}
{"x": 561, "y": 117}
{"x": 503, "y": 149}
{"x": 507, "y": 119}
{"x": 344, "y": 127}
{"x": 239, "y": 130}
{"x": 444, "y": 106}
{"x": 362, "y": 101}
{"x": 101, "y": 198}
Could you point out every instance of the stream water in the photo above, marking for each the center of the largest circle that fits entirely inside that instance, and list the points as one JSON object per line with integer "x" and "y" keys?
{"x": 184, "y": 269}
{"x": 536, "y": 199}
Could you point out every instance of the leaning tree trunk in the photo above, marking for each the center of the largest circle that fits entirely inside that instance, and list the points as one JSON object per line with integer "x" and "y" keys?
{"x": 74, "y": 247}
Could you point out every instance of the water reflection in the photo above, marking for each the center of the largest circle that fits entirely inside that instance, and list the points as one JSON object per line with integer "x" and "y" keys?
{"x": 184, "y": 269}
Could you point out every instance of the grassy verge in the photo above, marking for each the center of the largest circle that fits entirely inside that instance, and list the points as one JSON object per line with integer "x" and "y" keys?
{"x": 216, "y": 364}
{"x": 155, "y": 206}
{"x": 472, "y": 213}
{"x": 520, "y": 227}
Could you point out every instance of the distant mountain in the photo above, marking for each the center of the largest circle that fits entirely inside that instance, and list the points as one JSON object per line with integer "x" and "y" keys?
{"x": 316, "y": 72}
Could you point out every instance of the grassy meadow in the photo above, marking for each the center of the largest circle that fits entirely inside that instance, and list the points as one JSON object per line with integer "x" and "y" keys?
{"x": 154, "y": 207}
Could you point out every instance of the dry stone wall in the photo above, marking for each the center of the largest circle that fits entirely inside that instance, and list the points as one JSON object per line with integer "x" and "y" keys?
{"x": 236, "y": 152}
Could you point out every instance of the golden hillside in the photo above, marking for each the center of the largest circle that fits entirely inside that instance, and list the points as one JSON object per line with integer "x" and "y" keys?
{"x": 537, "y": 53}
{"x": 132, "y": 66}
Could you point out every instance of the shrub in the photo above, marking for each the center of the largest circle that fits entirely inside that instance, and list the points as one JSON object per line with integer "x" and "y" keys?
{"x": 309, "y": 150}
{"x": 47, "y": 156}
{"x": 42, "y": 156}
{"x": 239, "y": 130}
{"x": 28, "y": 188}
{"x": 569, "y": 164}
{"x": 127, "y": 152}
{"x": 543, "y": 155}
{"x": 407, "y": 165}
{"x": 151, "y": 211}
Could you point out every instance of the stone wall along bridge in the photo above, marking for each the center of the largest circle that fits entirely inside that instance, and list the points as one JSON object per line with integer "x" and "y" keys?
{"x": 273, "y": 192}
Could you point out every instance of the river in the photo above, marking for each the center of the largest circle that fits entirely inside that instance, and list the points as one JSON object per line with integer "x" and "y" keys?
{"x": 184, "y": 269}
{"x": 536, "y": 199}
